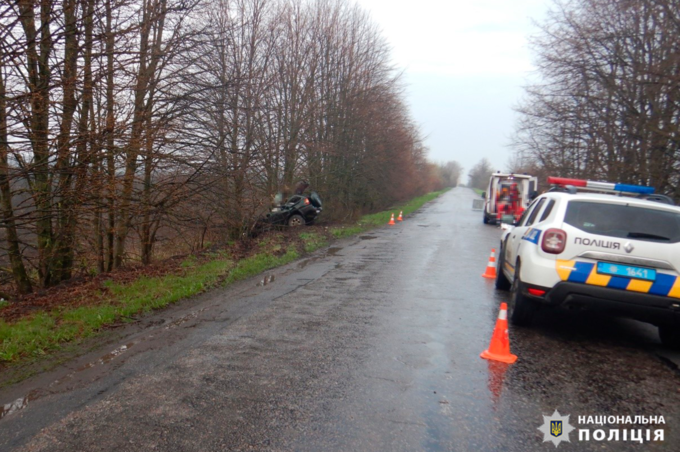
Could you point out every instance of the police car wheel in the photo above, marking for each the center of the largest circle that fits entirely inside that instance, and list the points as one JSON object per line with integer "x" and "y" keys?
{"x": 670, "y": 336}
{"x": 502, "y": 282}
{"x": 520, "y": 308}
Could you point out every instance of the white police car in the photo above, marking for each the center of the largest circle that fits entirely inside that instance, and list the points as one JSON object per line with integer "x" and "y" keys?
{"x": 600, "y": 251}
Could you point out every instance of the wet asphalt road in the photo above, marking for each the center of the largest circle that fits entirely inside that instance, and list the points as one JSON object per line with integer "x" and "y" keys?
{"x": 370, "y": 345}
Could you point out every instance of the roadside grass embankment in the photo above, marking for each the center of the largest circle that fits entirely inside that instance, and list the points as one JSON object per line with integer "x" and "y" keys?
{"x": 43, "y": 332}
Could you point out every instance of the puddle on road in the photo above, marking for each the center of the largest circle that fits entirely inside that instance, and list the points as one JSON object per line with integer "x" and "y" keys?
{"x": 496, "y": 378}
{"x": 266, "y": 280}
{"x": 106, "y": 358}
{"x": 34, "y": 394}
{"x": 367, "y": 237}
{"x": 19, "y": 404}
{"x": 185, "y": 318}
{"x": 332, "y": 251}
{"x": 306, "y": 262}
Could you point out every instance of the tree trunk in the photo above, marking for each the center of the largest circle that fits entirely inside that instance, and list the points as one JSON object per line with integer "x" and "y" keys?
{"x": 69, "y": 168}
{"x": 39, "y": 78}
{"x": 150, "y": 54}
{"x": 109, "y": 141}
{"x": 73, "y": 198}
{"x": 13, "y": 251}
{"x": 146, "y": 238}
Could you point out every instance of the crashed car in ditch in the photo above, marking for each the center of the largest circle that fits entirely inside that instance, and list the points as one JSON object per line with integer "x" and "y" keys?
{"x": 298, "y": 210}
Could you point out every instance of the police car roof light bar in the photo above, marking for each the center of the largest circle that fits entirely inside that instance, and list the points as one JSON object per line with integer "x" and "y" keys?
{"x": 604, "y": 186}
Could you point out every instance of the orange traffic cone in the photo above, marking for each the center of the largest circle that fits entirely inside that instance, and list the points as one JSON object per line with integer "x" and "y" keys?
{"x": 392, "y": 220}
{"x": 400, "y": 218}
{"x": 491, "y": 266}
{"x": 499, "y": 349}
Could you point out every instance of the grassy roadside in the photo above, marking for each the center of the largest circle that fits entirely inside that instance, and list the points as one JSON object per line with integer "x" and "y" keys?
{"x": 47, "y": 331}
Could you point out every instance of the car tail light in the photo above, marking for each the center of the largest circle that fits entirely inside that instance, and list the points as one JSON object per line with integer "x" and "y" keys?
{"x": 554, "y": 241}
{"x": 306, "y": 201}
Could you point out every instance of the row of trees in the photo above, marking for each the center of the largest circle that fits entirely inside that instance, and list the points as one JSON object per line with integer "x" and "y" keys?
{"x": 450, "y": 173}
{"x": 129, "y": 123}
{"x": 607, "y": 105}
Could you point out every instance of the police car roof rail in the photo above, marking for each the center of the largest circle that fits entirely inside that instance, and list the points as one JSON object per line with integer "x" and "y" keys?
{"x": 563, "y": 188}
{"x": 608, "y": 187}
{"x": 658, "y": 198}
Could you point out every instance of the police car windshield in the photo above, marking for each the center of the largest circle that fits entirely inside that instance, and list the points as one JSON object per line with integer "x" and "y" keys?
{"x": 624, "y": 221}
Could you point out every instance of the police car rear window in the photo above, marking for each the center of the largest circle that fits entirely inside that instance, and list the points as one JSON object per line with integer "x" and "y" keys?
{"x": 620, "y": 220}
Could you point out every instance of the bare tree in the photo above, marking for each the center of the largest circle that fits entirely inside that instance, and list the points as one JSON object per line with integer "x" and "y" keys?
{"x": 124, "y": 123}
{"x": 607, "y": 103}
{"x": 18, "y": 269}
{"x": 479, "y": 175}
{"x": 451, "y": 173}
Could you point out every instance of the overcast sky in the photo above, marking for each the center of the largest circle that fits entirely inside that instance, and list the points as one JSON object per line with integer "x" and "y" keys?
{"x": 465, "y": 63}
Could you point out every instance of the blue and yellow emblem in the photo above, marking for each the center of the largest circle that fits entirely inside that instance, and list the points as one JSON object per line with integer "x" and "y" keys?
{"x": 532, "y": 235}
{"x": 555, "y": 428}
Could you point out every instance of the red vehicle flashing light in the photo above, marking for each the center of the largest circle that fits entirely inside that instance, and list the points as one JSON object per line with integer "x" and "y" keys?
{"x": 554, "y": 241}
{"x": 565, "y": 181}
